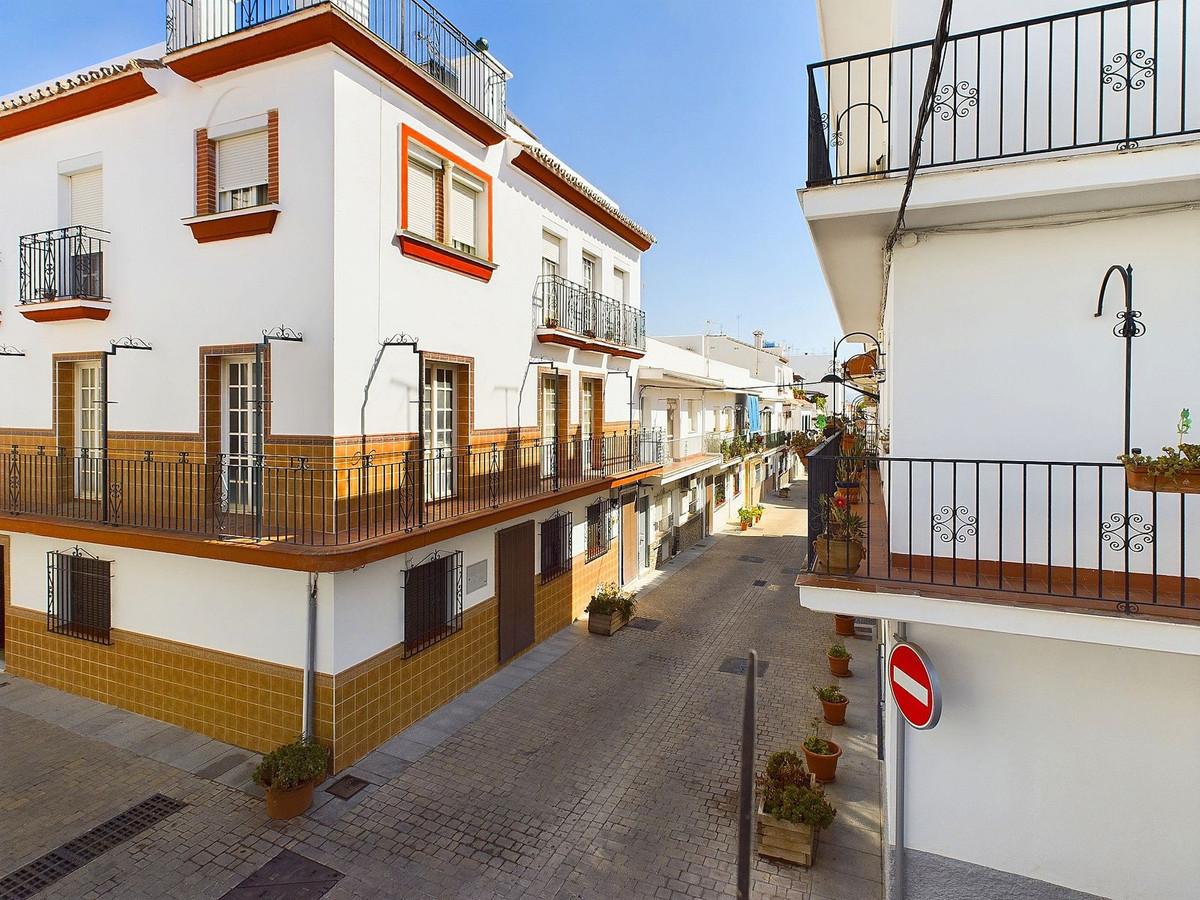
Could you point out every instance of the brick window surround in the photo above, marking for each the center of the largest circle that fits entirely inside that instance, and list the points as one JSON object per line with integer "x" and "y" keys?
{"x": 208, "y": 224}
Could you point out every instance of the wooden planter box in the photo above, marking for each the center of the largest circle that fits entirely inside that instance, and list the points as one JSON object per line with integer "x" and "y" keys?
{"x": 786, "y": 841}
{"x": 1140, "y": 479}
{"x": 607, "y": 625}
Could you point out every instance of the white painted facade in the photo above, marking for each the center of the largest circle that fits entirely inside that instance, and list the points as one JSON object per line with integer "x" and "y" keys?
{"x": 992, "y": 349}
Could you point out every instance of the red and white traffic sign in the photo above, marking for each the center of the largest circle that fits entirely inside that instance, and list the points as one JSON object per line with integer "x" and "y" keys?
{"x": 914, "y": 685}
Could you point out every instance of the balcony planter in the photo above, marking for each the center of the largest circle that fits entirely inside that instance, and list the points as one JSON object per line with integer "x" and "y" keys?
{"x": 1142, "y": 478}
{"x": 1176, "y": 471}
{"x": 609, "y": 610}
{"x": 289, "y": 774}
{"x": 839, "y": 660}
{"x": 821, "y": 756}
{"x": 792, "y": 811}
{"x": 838, "y": 556}
{"x": 833, "y": 704}
{"x": 843, "y": 626}
{"x": 850, "y": 490}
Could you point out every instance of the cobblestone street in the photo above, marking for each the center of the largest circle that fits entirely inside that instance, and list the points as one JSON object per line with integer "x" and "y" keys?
{"x": 609, "y": 771}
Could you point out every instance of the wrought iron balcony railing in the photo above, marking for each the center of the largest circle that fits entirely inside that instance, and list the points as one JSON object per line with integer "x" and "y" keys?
{"x": 1053, "y": 533}
{"x": 1110, "y": 76}
{"x": 575, "y": 308}
{"x": 67, "y": 263}
{"x": 294, "y": 500}
{"x": 413, "y": 28}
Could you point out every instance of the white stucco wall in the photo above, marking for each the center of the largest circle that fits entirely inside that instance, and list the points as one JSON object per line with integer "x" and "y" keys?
{"x": 249, "y": 611}
{"x": 165, "y": 288}
{"x": 1067, "y": 762}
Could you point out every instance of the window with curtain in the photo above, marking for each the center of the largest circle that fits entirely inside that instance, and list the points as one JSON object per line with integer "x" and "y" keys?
{"x": 242, "y": 171}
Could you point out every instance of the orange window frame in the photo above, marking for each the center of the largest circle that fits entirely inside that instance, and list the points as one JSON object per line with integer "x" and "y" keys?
{"x": 407, "y": 134}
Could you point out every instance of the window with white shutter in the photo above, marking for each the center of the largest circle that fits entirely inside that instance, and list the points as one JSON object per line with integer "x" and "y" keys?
{"x": 242, "y": 171}
{"x": 620, "y": 279}
{"x": 551, "y": 253}
{"x": 423, "y": 185}
{"x": 87, "y": 199}
{"x": 464, "y": 201}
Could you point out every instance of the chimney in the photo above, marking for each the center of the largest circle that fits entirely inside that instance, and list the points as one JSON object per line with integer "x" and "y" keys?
{"x": 758, "y": 339}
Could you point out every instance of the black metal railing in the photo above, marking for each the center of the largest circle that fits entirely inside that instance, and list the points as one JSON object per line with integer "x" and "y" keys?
{"x": 1073, "y": 531}
{"x": 564, "y": 304}
{"x": 64, "y": 263}
{"x": 1113, "y": 75}
{"x": 822, "y": 469}
{"x": 413, "y": 28}
{"x": 296, "y": 500}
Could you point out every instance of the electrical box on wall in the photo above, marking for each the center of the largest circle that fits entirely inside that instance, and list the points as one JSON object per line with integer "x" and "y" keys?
{"x": 477, "y": 576}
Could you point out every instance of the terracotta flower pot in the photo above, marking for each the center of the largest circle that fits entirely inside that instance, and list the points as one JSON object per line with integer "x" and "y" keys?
{"x": 835, "y": 713}
{"x": 843, "y": 626}
{"x": 823, "y": 766}
{"x": 744, "y": 525}
{"x": 838, "y": 557}
{"x": 839, "y": 666}
{"x": 847, "y": 443}
{"x": 1139, "y": 479}
{"x": 289, "y": 804}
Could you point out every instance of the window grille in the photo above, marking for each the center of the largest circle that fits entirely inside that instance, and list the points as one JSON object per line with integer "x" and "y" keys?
{"x": 433, "y": 601}
{"x": 597, "y": 529}
{"x": 79, "y": 595}
{"x": 719, "y": 491}
{"x": 556, "y": 546}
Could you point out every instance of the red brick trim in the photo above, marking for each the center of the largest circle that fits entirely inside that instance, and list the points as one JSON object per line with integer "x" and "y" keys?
{"x": 206, "y": 174}
{"x": 272, "y": 156}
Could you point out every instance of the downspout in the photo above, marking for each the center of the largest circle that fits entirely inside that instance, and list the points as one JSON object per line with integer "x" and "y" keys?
{"x": 310, "y": 660}
{"x": 898, "y": 870}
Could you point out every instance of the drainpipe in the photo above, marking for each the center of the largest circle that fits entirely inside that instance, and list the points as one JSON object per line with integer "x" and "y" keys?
{"x": 310, "y": 660}
{"x": 898, "y": 871}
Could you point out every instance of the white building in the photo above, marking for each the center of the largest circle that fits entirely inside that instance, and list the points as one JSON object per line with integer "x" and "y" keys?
{"x": 238, "y": 270}
{"x": 1057, "y": 603}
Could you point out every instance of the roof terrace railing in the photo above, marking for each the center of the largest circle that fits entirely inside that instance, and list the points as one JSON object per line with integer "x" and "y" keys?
{"x": 414, "y": 28}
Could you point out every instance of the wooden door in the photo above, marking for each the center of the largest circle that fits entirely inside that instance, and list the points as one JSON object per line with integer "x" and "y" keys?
{"x": 514, "y": 588}
{"x": 629, "y": 551}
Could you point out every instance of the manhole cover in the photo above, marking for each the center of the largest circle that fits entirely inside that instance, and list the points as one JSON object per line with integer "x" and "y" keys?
{"x": 753, "y": 559}
{"x": 736, "y": 665}
{"x": 644, "y": 624}
{"x": 347, "y": 786}
{"x": 760, "y": 582}
{"x": 62, "y": 861}
{"x": 288, "y": 876}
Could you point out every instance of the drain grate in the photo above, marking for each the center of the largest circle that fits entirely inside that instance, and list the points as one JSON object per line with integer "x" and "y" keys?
{"x": 760, "y": 582}
{"x": 287, "y": 876}
{"x": 737, "y": 665}
{"x": 754, "y": 559}
{"x": 347, "y": 786}
{"x": 644, "y": 624}
{"x": 78, "y": 852}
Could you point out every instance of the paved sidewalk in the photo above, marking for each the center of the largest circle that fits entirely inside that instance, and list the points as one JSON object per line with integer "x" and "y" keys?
{"x": 591, "y": 768}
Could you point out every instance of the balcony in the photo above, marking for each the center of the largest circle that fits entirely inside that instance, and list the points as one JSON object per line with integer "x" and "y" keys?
{"x": 573, "y": 315}
{"x": 62, "y": 274}
{"x": 1060, "y": 535}
{"x": 412, "y": 28}
{"x": 1113, "y": 76}
{"x": 306, "y": 504}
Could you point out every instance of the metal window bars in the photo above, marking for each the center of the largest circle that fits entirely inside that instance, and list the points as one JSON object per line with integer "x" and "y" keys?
{"x": 557, "y": 555}
{"x": 598, "y": 531}
{"x": 79, "y": 595}
{"x": 1114, "y": 75}
{"x": 433, "y": 601}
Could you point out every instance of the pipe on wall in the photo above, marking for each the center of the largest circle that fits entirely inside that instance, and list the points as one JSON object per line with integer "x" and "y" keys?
{"x": 310, "y": 660}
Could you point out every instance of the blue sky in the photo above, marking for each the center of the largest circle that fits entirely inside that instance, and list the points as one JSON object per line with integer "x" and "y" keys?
{"x": 689, "y": 113}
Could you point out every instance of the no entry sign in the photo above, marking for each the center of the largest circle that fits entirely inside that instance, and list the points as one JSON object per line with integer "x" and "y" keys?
{"x": 914, "y": 686}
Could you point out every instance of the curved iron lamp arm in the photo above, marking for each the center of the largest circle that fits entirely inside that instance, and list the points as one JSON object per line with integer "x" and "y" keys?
{"x": 1128, "y": 327}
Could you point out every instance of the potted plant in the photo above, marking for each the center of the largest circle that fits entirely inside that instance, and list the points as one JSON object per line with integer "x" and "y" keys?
{"x": 839, "y": 548}
{"x": 792, "y": 811}
{"x": 726, "y": 452}
{"x": 885, "y": 440}
{"x": 821, "y": 755}
{"x": 839, "y": 660}
{"x": 848, "y": 480}
{"x": 288, "y": 774}
{"x": 609, "y": 610}
{"x": 833, "y": 704}
{"x": 1177, "y": 471}
{"x": 843, "y": 626}
{"x": 737, "y": 447}
{"x": 758, "y": 512}
{"x": 746, "y": 517}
